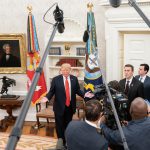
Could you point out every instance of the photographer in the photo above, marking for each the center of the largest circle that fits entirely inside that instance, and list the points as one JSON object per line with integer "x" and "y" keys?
{"x": 120, "y": 102}
{"x": 136, "y": 131}
{"x": 84, "y": 135}
{"x": 101, "y": 93}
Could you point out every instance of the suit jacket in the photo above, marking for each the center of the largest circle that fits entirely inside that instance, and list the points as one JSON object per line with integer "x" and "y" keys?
{"x": 146, "y": 86}
{"x": 13, "y": 61}
{"x": 58, "y": 90}
{"x": 81, "y": 136}
{"x": 136, "y": 133}
{"x": 136, "y": 89}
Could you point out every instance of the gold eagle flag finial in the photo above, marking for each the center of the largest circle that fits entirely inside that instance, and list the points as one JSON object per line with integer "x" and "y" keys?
{"x": 90, "y": 6}
{"x": 29, "y": 7}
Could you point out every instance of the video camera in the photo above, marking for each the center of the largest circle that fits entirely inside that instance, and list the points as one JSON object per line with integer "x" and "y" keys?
{"x": 120, "y": 101}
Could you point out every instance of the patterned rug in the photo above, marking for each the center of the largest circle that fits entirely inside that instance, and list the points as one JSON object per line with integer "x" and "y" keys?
{"x": 30, "y": 142}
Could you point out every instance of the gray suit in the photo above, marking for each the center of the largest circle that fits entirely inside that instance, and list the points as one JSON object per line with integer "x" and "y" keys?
{"x": 136, "y": 133}
{"x": 146, "y": 86}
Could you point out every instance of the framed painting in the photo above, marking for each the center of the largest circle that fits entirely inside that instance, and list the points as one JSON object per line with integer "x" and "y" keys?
{"x": 12, "y": 53}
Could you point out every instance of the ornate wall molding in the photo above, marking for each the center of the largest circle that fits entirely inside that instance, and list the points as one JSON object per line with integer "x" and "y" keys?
{"x": 118, "y": 22}
{"x": 125, "y": 3}
{"x": 73, "y": 31}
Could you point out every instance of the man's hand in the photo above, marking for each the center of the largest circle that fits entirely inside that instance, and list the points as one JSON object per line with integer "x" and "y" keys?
{"x": 44, "y": 100}
{"x": 89, "y": 94}
{"x": 124, "y": 122}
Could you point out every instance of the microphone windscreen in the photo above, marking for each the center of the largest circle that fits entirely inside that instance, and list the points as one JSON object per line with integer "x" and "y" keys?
{"x": 115, "y": 3}
{"x": 61, "y": 27}
{"x": 85, "y": 36}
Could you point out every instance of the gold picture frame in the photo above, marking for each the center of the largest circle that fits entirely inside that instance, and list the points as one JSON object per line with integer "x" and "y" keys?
{"x": 13, "y": 61}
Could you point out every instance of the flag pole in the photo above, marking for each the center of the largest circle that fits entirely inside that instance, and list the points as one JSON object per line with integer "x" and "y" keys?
{"x": 125, "y": 145}
{"x": 17, "y": 129}
{"x": 89, "y": 6}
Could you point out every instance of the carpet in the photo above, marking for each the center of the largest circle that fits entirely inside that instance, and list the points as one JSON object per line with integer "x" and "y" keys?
{"x": 29, "y": 142}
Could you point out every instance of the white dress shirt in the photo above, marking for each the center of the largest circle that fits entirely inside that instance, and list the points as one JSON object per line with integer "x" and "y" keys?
{"x": 129, "y": 81}
{"x": 7, "y": 57}
{"x": 143, "y": 79}
{"x": 92, "y": 124}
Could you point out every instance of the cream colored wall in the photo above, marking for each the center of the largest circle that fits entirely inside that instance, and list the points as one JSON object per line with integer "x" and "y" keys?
{"x": 119, "y": 20}
{"x": 13, "y": 14}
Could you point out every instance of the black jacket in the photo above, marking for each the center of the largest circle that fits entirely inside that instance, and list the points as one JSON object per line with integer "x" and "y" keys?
{"x": 58, "y": 90}
{"x": 146, "y": 87}
{"x": 13, "y": 61}
{"x": 82, "y": 136}
{"x": 136, "y": 89}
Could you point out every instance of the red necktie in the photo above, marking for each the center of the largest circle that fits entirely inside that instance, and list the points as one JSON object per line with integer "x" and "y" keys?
{"x": 67, "y": 92}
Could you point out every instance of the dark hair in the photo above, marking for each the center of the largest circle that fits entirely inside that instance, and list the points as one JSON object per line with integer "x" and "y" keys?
{"x": 146, "y": 67}
{"x": 115, "y": 85}
{"x": 129, "y": 65}
{"x": 93, "y": 109}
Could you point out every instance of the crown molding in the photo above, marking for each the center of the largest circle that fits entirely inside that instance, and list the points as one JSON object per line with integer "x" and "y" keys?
{"x": 106, "y": 3}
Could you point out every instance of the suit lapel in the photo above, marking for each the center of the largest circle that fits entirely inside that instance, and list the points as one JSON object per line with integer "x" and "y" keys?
{"x": 138, "y": 77}
{"x": 62, "y": 83}
{"x": 123, "y": 84}
{"x": 146, "y": 79}
{"x": 132, "y": 85}
{"x": 71, "y": 83}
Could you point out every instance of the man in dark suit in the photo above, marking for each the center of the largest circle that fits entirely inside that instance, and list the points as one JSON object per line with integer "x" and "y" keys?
{"x": 84, "y": 135}
{"x": 64, "y": 87}
{"x": 131, "y": 86}
{"x": 136, "y": 131}
{"x": 7, "y": 59}
{"x": 145, "y": 79}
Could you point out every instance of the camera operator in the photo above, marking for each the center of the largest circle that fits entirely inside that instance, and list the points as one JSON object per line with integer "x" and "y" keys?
{"x": 121, "y": 104}
{"x": 84, "y": 135}
{"x": 101, "y": 93}
{"x": 148, "y": 105}
{"x": 136, "y": 131}
{"x": 115, "y": 85}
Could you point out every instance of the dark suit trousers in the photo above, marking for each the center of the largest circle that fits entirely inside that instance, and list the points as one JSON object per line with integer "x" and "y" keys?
{"x": 62, "y": 121}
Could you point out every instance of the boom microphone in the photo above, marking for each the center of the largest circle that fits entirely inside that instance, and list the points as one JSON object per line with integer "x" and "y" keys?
{"x": 58, "y": 15}
{"x": 115, "y": 3}
{"x": 85, "y": 36}
{"x": 61, "y": 27}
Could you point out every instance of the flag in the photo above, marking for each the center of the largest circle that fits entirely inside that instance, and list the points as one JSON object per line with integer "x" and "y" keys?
{"x": 93, "y": 76}
{"x": 33, "y": 59}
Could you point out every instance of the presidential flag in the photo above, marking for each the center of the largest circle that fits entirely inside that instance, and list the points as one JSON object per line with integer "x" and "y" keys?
{"x": 93, "y": 76}
{"x": 33, "y": 59}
